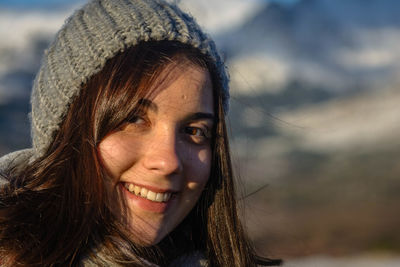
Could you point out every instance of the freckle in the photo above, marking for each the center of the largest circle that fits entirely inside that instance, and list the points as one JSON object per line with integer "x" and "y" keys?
{"x": 184, "y": 97}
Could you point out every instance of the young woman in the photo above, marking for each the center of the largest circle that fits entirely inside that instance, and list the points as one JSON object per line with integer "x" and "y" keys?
{"x": 130, "y": 162}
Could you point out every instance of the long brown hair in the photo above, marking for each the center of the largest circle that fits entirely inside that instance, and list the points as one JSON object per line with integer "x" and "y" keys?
{"x": 58, "y": 210}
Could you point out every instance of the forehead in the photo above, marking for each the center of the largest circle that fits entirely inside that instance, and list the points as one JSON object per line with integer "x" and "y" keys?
{"x": 184, "y": 86}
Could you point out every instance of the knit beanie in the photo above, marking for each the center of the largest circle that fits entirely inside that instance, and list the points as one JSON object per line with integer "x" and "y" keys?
{"x": 92, "y": 35}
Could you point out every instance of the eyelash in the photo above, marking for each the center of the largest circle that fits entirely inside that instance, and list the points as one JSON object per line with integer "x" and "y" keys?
{"x": 135, "y": 119}
{"x": 198, "y": 138}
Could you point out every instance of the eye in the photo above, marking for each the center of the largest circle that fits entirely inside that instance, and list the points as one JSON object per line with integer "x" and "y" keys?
{"x": 194, "y": 131}
{"x": 134, "y": 124}
{"x": 137, "y": 120}
{"x": 198, "y": 135}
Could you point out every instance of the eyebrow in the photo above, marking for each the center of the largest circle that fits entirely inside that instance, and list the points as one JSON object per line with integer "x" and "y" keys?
{"x": 147, "y": 104}
{"x": 200, "y": 115}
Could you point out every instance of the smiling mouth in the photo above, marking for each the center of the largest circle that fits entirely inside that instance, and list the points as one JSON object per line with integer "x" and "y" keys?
{"x": 147, "y": 194}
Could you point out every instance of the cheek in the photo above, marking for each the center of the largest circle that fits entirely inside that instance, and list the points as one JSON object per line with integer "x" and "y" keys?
{"x": 116, "y": 154}
{"x": 205, "y": 156}
{"x": 199, "y": 170}
{"x": 197, "y": 177}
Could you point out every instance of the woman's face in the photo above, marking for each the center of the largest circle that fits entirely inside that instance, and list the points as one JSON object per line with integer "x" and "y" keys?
{"x": 161, "y": 159}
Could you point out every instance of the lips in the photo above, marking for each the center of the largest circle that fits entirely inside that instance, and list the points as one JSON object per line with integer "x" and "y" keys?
{"x": 147, "y": 193}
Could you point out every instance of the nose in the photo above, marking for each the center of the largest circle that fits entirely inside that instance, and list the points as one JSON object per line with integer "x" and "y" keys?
{"x": 162, "y": 155}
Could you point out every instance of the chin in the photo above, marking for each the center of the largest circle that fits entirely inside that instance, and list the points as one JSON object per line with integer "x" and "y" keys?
{"x": 147, "y": 238}
{"x": 148, "y": 242}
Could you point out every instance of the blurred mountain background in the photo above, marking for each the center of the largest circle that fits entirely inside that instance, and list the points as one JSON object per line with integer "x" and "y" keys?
{"x": 314, "y": 116}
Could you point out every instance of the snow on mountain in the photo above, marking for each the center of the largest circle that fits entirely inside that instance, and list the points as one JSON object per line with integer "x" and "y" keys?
{"x": 222, "y": 15}
{"x": 338, "y": 45}
{"x": 259, "y": 72}
{"x": 363, "y": 122}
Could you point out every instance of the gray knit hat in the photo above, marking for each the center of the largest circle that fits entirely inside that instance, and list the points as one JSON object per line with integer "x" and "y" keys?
{"x": 91, "y": 36}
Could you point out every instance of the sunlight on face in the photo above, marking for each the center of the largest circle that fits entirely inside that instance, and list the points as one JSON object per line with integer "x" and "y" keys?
{"x": 161, "y": 158}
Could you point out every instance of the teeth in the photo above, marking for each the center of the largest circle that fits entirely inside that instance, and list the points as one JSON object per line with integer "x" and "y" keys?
{"x": 145, "y": 193}
{"x": 151, "y": 195}
{"x": 137, "y": 190}
{"x": 166, "y": 197}
{"x": 131, "y": 187}
{"x": 160, "y": 197}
